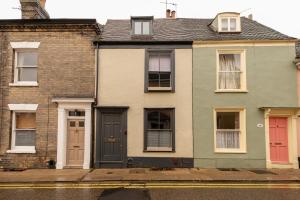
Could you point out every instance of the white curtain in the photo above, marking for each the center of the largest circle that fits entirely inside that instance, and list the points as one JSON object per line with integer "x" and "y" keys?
{"x": 230, "y": 71}
{"x": 228, "y": 139}
{"x": 159, "y": 63}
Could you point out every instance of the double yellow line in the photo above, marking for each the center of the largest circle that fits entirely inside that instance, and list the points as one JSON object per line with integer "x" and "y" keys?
{"x": 170, "y": 185}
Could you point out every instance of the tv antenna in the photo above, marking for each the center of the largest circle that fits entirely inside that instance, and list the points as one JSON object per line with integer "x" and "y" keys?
{"x": 170, "y": 3}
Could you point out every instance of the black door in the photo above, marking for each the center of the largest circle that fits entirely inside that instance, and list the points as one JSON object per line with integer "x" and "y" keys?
{"x": 111, "y": 142}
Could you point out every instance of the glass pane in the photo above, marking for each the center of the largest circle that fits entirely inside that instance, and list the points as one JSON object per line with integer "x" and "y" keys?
{"x": 224, "y": 26}
{"x": 165, "y": 119}
{"x": 228, "y": 139}
{"x": 25, "y": 138}
{"x": 230, "y": 62}
{"x": 27, "y": 59}
{"x": 72, "y": 124}
{"x": 146, "y": 28}
{"x": 153, "y": 79}
{"x": 228, "y": 120}
{"x": 27, "y": 74}
{"x": 229, "y": 80}
{"x": 76, "y": 113}
{"x": 165, "y": 79}
{"x": 165, "y": 63}
{"x": 138, "y": 28}
{"x": 233, "y": 24}
{"x": 81, "y": 124}
{"x": 25, "y": 121}
{"x": 159, "y": 139}
{"x": 153, "y": 120}
{"x": 153, "y": 63}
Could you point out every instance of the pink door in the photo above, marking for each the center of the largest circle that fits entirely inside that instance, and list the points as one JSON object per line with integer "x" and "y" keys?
{"x": 279, "y": 139}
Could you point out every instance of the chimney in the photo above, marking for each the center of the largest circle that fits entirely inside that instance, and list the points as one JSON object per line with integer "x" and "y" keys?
{"x": 34, "y": 9}
{"x": 250, "y": 16}
{"x": 173, "y": 14}
{"x": 168, "y": 13}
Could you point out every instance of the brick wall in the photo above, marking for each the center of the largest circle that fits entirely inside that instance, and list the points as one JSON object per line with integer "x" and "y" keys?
{"x": 66, "y": 68}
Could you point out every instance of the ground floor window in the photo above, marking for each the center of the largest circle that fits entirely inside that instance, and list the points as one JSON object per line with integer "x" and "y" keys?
{"x": 229, "y": 130}
{"x": 24, "y": 130}
{"x": 159, "y": 129}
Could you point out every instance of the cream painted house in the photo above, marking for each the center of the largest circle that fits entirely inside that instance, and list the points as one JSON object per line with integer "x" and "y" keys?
{"x": 144, "y": 108}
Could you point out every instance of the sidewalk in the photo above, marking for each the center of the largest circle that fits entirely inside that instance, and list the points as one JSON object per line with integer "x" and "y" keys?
{"x": 148, "y": 175}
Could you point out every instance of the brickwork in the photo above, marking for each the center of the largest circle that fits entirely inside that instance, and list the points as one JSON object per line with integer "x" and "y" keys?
{"x": 66, "y": 68}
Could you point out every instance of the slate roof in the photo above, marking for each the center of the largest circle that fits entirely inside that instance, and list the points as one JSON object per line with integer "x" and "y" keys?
{"x": 188, "y": 29}
{"x": 298, "y": 49}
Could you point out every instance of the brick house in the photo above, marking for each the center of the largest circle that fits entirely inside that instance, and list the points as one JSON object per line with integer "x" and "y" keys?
{"x": 46, "y": 89}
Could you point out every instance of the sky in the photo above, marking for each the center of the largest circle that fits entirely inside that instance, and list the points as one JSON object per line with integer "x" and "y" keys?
{"x": 281, "y": 15}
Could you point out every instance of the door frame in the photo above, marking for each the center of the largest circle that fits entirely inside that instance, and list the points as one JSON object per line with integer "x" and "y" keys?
{"x": 98, "y": 139}
{"x": 291, "y": 116}
{"x": 64, "y": 105}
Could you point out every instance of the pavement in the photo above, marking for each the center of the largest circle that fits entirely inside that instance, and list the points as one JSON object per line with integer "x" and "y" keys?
{"x": 141, "y": 175}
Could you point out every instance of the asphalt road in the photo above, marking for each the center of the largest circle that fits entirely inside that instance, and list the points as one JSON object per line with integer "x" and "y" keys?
{"x": 180, "y": 193}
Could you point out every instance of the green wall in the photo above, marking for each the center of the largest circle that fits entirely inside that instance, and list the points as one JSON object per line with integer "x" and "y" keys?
{"x": 271, "y": 81}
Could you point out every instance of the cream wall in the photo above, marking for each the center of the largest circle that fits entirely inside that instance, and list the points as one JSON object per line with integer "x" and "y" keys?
{"x": 121, "y": 83}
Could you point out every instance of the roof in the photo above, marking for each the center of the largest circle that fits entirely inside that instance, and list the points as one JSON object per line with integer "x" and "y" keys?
{"x": 7, "y": 24}
{"x": 188, "y": 29}
{"x": 298, "y": 49}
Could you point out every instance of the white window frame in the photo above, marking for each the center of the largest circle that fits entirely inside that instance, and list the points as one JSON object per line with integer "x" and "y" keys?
{"x": 242, "y": 120}
{"x": 23, "y": 47}
{"x": 228, "y": 18}
{"x": 20, "y": 108}
{"x": 243, "y": 83}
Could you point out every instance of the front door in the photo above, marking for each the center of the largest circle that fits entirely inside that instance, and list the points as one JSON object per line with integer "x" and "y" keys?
{"x": 75, "y": 143}
{"x": 112, "y": 136}
{"x": 279, "y": 139}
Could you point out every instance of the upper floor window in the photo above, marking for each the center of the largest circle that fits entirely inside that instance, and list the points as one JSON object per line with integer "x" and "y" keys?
{"x": 231, "y": 71}
{"x": 26, "y": 66}
{"x": 229, "y": 24}
{"x": 25, "y": 63}
{"x": 141, "y": 25}
{"x": 159, "y": 70}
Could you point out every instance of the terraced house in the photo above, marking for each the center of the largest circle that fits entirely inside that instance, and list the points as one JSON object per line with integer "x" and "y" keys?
{"x": 244, "y": 95}
{"x": 147, "y": 92}
{"x": 47, "y": 88}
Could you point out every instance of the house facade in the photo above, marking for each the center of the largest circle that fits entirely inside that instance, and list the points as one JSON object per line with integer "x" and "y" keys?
{"x": 245, "y": 102}
{"x": 297, "y": 62}
{"x": 144, "y": 107}
{"x": 47, "y": 89}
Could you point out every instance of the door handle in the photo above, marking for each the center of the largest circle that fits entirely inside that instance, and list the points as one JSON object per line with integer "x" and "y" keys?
{"x": 278, "y": 143}
{"x": 76, "y": 146}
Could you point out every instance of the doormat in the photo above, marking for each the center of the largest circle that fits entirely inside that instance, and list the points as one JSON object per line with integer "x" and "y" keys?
{"x": 228, "y": 169}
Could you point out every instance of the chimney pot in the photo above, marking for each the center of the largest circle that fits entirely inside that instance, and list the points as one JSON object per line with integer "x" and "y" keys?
{"x": 250, "y": 16}
{"x": 173, "y": 14}
{"x": 43, "y": 3}
{"x": 168, "y": 13}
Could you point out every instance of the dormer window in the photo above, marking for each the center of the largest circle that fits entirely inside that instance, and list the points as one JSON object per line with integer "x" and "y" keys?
{"x": 229, "y": 24}
{"x": 141, "y": 25}
{"x": 226, "y": 22}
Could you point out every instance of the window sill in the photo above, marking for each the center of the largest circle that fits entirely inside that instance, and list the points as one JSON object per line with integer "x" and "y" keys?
{"x": 24, "y": 84}
{"x": 231, "y": 91}
{"x": 158, "y": 149}
{"x": 21, "y": 151}
{"x": 160, "y": 89}
{"x": 231, "y": 151}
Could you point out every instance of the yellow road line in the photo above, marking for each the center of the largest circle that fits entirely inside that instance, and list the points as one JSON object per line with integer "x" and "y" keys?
{"x": 148, "y": 185}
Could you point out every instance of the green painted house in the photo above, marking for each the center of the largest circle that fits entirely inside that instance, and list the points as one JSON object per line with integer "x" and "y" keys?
{"x": 245, "y": 100}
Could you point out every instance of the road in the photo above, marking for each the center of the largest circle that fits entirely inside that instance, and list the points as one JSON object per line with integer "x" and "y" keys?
{"x": 146, "y": 192}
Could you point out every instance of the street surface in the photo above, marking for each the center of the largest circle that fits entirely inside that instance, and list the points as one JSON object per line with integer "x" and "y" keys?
{"x": 146, "y": 192}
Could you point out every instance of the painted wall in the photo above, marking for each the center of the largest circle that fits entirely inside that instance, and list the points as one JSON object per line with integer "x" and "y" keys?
{"x": 121, "y": 83}
{"x": 298, "y": 121}
{"x": 271, "y": 81}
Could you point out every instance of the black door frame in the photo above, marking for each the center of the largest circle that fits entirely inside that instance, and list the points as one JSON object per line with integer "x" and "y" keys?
{"x": 110, "y": 110}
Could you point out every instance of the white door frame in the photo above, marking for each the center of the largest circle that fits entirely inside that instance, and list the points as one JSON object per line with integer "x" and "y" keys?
{"x": 65, "y": 104}
{"x": 291, "y": 115}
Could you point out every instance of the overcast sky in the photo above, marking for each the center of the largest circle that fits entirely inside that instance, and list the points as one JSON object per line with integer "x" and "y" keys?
{"x": 283, "y": 15}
